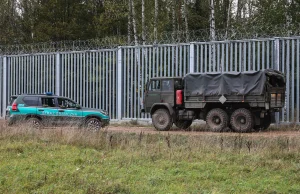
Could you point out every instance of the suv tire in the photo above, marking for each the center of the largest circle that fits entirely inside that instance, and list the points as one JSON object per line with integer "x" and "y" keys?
{"x": 35, "y": 123}
{"x": 162, "y": 120}
{"x": 93, "y": 124}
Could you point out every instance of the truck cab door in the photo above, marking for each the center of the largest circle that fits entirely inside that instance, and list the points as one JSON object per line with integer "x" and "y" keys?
{"x": 167, "y": 91}
{"x": 153, "y": 94}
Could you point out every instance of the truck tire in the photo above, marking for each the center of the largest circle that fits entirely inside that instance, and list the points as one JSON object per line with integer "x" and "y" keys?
{"x": 183, "y": 124}
{"x": 217, "y": 120}
{"x": 162, "y": 120}
{"x": 242, "y": 120}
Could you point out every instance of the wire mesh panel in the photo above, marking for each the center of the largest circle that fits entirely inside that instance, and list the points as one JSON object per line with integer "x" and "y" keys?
{"x": 142, "y": 63}
{"x": 89, "y": 78}
{"x": 32, "y": 74}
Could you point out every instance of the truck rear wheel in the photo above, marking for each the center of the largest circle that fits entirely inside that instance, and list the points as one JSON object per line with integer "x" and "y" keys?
{"x": 183, "y": 124}
{"x": 217, "y": 119}
{"x": 162, "y": 120}
{"x": 242, "y": 120}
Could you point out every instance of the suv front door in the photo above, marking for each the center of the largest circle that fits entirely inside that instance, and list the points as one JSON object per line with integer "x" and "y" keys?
{"x": 68, "y": 113}
{"x": 48, "y": 111}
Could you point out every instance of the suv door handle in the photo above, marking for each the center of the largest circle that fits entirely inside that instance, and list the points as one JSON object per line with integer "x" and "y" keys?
{"x": 61, "y": 111}
{"x": 40, "y": 109}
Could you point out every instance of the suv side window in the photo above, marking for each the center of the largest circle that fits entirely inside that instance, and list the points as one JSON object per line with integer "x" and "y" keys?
{"x": 154, "y": 85}
{"x": 48, "y": 102}
{"x": 31, "y": 100}
{"x": 66, "y": 103}
{"x": 12, "y": 99}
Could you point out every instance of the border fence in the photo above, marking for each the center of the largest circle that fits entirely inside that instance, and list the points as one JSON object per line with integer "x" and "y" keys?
{"x": 114, "y": 79}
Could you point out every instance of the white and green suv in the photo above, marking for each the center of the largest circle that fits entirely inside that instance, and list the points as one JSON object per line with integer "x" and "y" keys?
{"x": 50, "y": 110}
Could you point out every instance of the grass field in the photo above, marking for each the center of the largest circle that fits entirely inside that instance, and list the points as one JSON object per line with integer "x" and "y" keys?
{"x": 72, "y": 161}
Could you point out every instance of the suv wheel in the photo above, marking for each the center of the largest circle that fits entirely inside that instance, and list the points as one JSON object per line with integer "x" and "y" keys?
{"x": 162, "y": 120}
{"x": 93, "y": 124}
{"x": 35, "y": 123}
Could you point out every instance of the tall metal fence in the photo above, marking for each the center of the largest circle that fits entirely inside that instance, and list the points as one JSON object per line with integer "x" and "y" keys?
{"x": 114, "y": 79}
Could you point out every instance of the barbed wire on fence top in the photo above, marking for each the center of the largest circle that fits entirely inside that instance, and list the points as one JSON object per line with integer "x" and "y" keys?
{"x": 203, "y": 35}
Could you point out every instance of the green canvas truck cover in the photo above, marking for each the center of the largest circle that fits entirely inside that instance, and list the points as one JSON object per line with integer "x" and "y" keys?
{"x": 231, "y": 83}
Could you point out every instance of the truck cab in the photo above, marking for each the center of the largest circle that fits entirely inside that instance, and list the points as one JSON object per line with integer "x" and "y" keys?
{"x": 161, "y": 91}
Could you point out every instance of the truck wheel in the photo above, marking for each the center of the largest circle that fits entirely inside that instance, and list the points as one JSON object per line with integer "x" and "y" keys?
{"x": 217, "y": 119}
{"x": 93, "y": 124}
{"x": 242, "y": 120}
{"x": 183, "y": 124}
{"x": 162, "y": 120}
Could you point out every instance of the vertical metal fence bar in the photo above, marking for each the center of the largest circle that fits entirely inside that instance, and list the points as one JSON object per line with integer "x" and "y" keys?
{"x": 283, "y": 71}
{"x": 4, "y": 84}
{"x": 57, "y": 75}
{"x": 244, "y": 68}
{"x": 96, "y": 79}
{"x": 236, "y": 54}
{"x": 218, "y": 57}
{"x": 258, "y": 56}
{"x": 277, "y": 64}
{"x": 298, "y": 81}
{"x": 293, "y": 81}
{"x": 192, "y": 58}
{"x": 263, "y": 65}
{"x": 253, "y": 56}
{"x": 268, "y": 54}
{"x": 180, "y": 62}
{"x": 143, "y": 75}
{"x": 288, "y": 80}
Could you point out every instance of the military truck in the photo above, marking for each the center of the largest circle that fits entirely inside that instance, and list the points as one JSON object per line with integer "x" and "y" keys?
{"x": 241, "y": 101}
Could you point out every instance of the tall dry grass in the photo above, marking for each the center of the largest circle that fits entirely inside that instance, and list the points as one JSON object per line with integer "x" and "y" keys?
{"x": 162, "y": 145}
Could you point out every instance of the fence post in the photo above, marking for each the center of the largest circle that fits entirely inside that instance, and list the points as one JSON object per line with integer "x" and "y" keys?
{"x": 57, "y": 75}
{"x": 4, "y": 85}
{"x": 119, "y": 84}
{"x": 277, "y": 67}
{"x": 192, "y": 58}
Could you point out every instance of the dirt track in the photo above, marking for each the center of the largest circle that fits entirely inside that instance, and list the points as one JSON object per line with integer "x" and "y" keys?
{"x": 151, "y": 130}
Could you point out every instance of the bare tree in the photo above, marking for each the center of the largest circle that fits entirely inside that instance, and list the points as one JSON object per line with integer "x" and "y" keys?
{"x": 129, "y": 21}
{"x": 212, "y": 33}
{"x": 173, "y": 19}
{"x": 155, "y": 20}
{"x": 212, "y": 21}
{"x": 134, "y": 23}
{"x": 186, "y": 21}
{"x": 143, "y": 22}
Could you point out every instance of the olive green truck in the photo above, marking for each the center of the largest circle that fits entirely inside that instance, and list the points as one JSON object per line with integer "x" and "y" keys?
{"x": 242, "y": 102}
